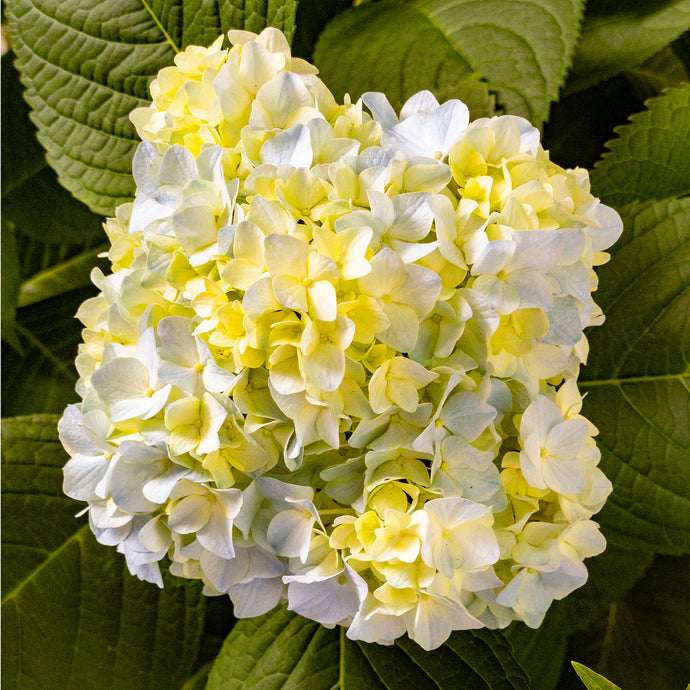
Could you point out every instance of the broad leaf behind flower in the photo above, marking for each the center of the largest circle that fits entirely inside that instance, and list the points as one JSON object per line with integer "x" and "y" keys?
{"x": 283, "y": 650}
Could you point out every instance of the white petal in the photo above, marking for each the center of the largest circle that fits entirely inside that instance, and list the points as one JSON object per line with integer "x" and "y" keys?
{"x": 121, "y": 379}
{"x": 380, "y": 108}
{"x": 289, "y": 533}
{"x": 190, "y": 514}
{"x": 158, "y": 490}
{"x": 328, "y": 601}
{"x": 567, "y": 439}
{"x": 82, "y": 474}
{"x": 290, "y": 147}
{"x": 564, "y": 476}
{"x": 177, "y": 342}
{"x": 216, "y": 535}
{"x": 256, "y": 597}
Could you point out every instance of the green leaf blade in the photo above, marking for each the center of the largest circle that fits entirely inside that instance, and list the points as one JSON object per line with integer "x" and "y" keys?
{"x": 283, "y": 650}
{"x": 394, "y": 48}
{"x": 456, "y": 48}
{"x": 264, "y": 652}
{"x": 616, "y": 41}
{"x": 651, "y": 157}
{"x": 72, "y": 617}
{"x": 32, "y": 486}
{"x": 591, "y": 679}
{"x": 87, "y": 65}
{"x": 201, "y": 22}
{"x": 85, "y": 68}
{"x": 650, "y": 259}
{"x": 43, "y": 378}
{"x": 256, "y": 15}
{"x": 637, "y": 380}
{"x": 522, "y": 48}
{"x": 60, "y": 278}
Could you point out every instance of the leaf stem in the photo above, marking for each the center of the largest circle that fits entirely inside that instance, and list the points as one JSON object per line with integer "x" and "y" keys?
{"x": 632, "y": 379}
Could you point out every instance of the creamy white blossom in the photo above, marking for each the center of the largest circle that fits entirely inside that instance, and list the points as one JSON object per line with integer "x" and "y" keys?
{"x": 335, "y": 362}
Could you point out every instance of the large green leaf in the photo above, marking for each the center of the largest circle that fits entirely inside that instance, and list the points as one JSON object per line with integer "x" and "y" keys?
{"x": 392, "y": 47}
{"x": 542, "y": 652}
{"x": 519, "y": 49}
{"x": 593, "y": 680}
{"x": 312, "y": 16}
{"x": 624, "y": 38}
{"x": 32, "y": 200}
{"x": 87, "y": 64}
{"x": 254, "y": 15}
{"x": 637, "y": 380}
{"x": 42, "y": 223}
{"x": 72, "y": 617}
{"x": 37, "y": 517}
{"x": 42, "y": 378}
{"x": 643, "y": 642}
{"x": 283, "y": 650}
{"x": 664, "y": 70}
{"x": 651, "y": 157}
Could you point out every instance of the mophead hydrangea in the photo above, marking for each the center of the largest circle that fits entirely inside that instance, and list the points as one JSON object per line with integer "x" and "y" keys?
{"x": 335, "y": 363}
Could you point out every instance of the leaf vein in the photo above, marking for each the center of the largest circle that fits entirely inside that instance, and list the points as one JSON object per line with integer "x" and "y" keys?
{"x": 13, "y": 593}
{"x": 622, "y": 465}
{"x": 366, "y": 656}
{"x": 46, "y": 352}
{"x": 55, "y": 20}
{"x": 651, "y": 424}
{"x": 160, "y": 26}
{"x": 100, "y": 85}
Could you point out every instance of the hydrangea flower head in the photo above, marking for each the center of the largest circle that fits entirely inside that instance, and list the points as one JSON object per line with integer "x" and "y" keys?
{"x": 335, "y": 362}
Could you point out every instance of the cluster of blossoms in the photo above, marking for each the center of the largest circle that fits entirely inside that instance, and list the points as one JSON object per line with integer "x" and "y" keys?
{"x": 335, "y": 362}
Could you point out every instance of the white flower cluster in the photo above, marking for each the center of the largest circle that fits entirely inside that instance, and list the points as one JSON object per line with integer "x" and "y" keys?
{"x": 335, "y": 363}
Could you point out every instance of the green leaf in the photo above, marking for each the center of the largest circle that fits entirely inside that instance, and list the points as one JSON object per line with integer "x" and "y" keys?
{"x": 283, "y": 650}
{"x": 43, "y": 379}
{"x": 645, "y": 638}
{"x": 631, "y": 655}
{"x": 542, "y": 651}
{"x": 624, "y": 38}
{"x": 256, "y": 15}
{"x": 85, "y": 68}
{"x": 592, "y": 680}
{"x": 199, "y": 679}
{"x": 61, "y": 278}
{"x": 87, "y": 65}
{"x": 394, "y": 48}
{"x": 37, "y": 517}
{"x": 611, "y": 577}
{"x": 72, "y": 617}
{"x": 637, "y": 380}
{"x": 312, "y": 17}
{"x": 651, "y": 157}
{"x": 521, "y": 51}
{"x": 664, "y": 70}
{"x": 9, "y": 270}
